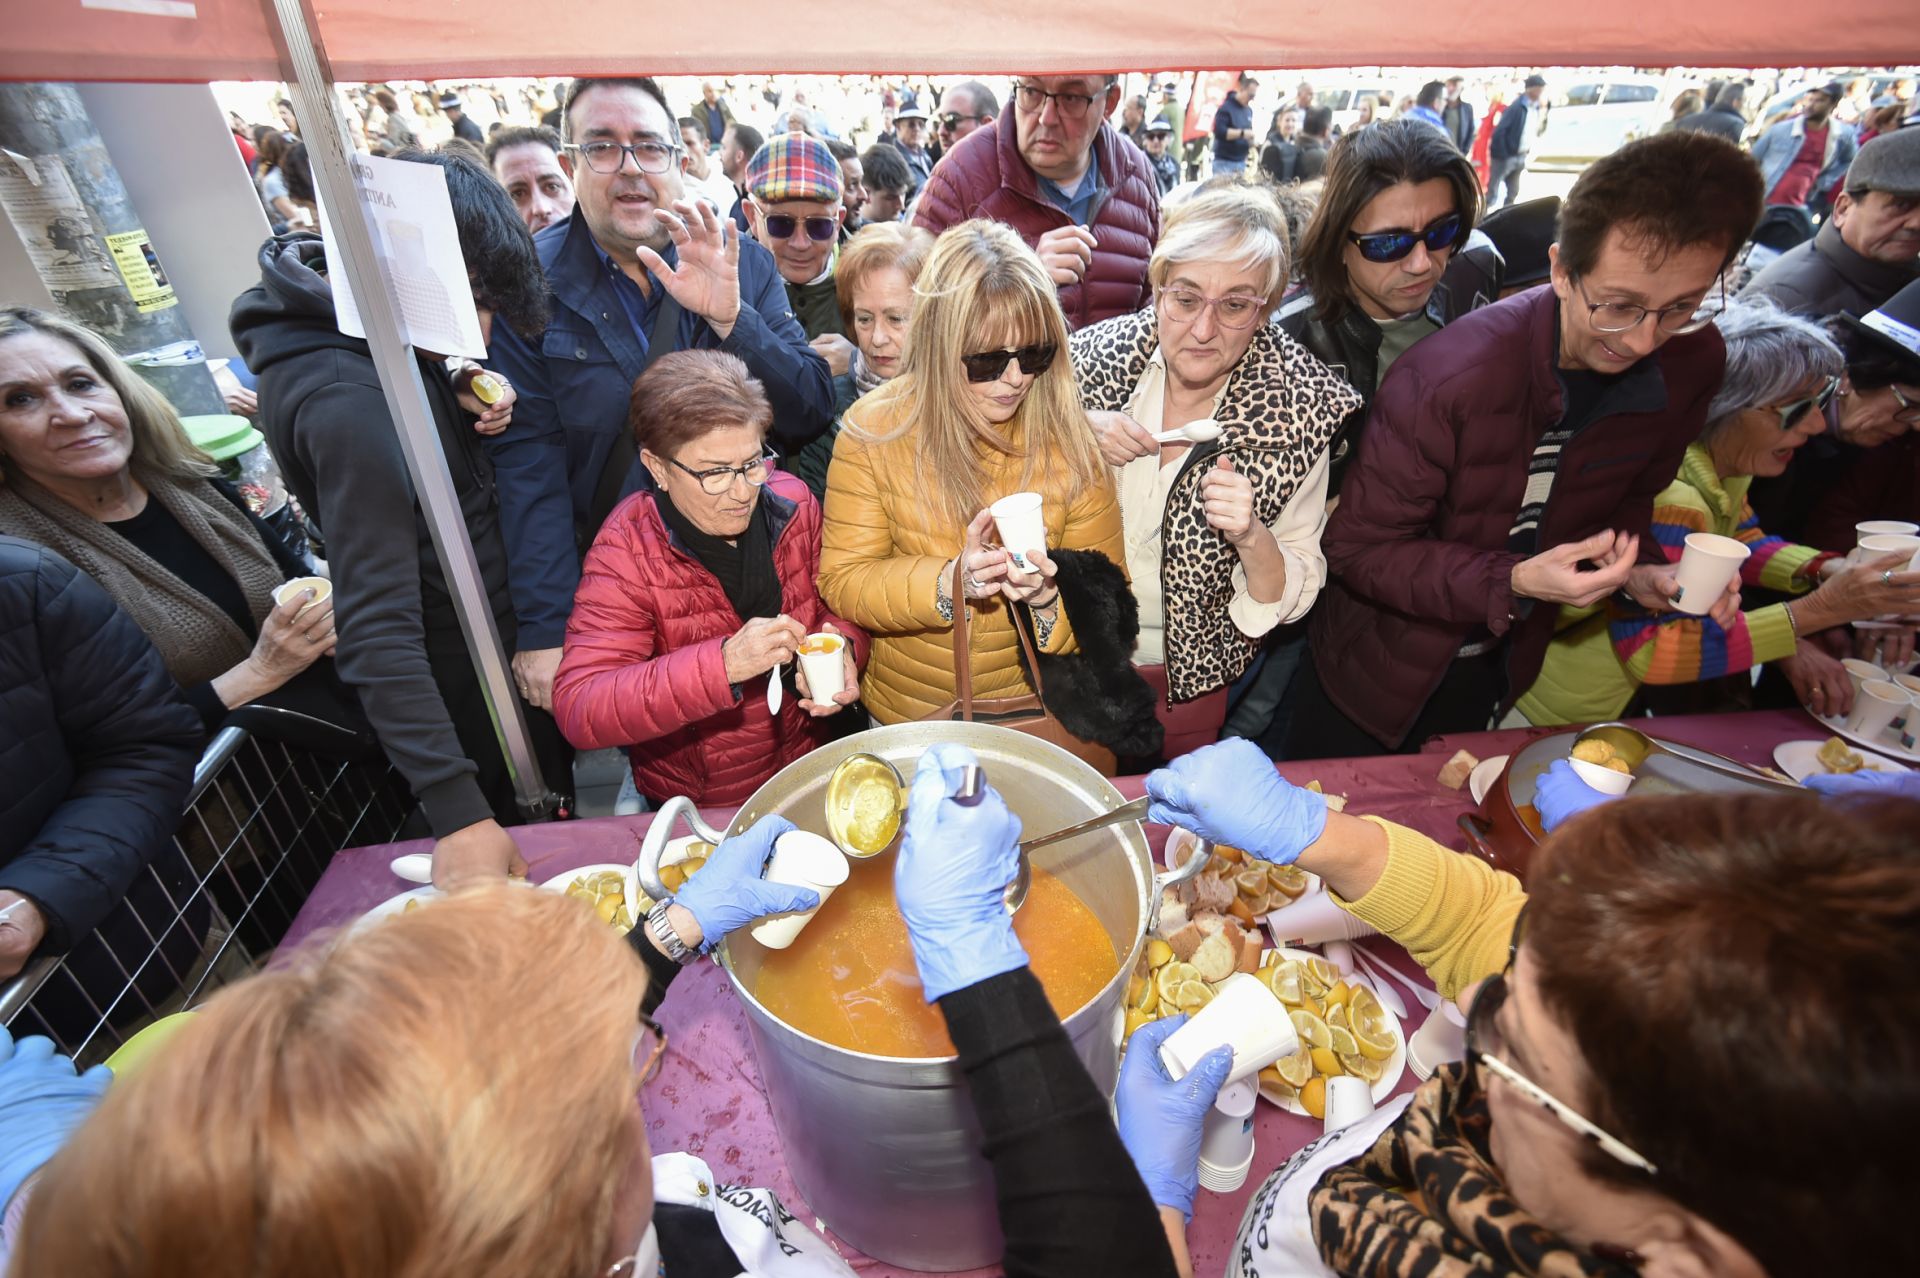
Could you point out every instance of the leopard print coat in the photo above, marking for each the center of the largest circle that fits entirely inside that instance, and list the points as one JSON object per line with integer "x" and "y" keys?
{"x": 1280, "y": 408}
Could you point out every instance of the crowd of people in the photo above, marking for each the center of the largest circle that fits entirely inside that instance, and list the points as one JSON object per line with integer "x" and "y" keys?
{"x": 1341, "y": 448}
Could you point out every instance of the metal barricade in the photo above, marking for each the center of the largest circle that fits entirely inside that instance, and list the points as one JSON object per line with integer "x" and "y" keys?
{"x": 262, "y": 821}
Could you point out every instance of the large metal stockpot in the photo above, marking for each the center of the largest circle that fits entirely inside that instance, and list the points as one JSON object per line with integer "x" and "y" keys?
{"x": 886, "y": 1149}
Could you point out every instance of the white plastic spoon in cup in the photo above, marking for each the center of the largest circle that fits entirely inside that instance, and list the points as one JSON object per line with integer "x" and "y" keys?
{"x": 1204, "y": 431}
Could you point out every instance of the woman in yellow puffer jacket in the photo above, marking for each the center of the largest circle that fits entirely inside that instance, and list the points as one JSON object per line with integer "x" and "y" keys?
{"x": 986, "y": 406}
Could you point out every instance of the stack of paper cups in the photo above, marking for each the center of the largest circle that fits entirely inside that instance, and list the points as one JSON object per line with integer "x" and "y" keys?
{"x": 1441, "y": 1038}
{"x": 1882, "y": 545}
{"x": 1877, "y": 706}
{"x": 1244, "y": 1015}
{"x": 803, "y": 860}
{"x": 1313, "y": 920}
{"x": 1226, "y": 1138}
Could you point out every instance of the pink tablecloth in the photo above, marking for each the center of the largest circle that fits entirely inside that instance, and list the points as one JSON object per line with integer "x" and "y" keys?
{"x": 707, "y": 1099}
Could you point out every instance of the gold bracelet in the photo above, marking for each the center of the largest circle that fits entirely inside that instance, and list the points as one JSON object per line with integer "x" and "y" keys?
{"x": 1792, "y": 623}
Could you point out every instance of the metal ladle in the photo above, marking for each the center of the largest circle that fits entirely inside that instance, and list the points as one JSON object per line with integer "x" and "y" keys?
{"x": 1634, "y": 747}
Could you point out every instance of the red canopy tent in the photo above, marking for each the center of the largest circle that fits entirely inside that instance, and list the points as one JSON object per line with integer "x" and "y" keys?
{"x": 201, "y": 40}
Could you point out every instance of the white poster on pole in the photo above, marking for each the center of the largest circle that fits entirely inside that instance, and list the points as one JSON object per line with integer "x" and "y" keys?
{"x": 414, "y": 233}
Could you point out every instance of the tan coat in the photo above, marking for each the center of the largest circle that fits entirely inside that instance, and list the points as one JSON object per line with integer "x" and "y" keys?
{"x": 885, "y": 545}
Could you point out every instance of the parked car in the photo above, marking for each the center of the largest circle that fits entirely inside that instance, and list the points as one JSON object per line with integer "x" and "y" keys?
{"x": 1592, "y": 118}
{"x": 1344, "y": 100}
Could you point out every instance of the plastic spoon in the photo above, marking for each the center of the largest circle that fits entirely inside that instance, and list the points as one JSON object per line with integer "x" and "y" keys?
{"x": 1204, "y": 431}
{"x": 414, "y": 867}
{"x": 1427, "y": 998}
{"x": 1342, "y": 954}
{"x": 773, "y": 692}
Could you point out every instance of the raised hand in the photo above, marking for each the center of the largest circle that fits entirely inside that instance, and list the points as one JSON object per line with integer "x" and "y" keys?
{"x": 707, "y": 279}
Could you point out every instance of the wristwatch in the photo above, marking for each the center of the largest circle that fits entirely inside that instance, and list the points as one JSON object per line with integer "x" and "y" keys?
{"x": 670, "y": 942}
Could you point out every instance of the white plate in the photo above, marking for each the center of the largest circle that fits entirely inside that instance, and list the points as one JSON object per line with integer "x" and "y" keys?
{"x": 395, "y": 904}
{"x": 1800, "y": 760}
{"x": 1481, "y": 779}
{"x": 1396, "y": 1064}
{"x": 1886, "y": 743}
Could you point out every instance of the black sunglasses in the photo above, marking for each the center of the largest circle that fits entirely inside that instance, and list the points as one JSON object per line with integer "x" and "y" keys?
{"x": 1793, "y": 414}
{"x": 988, "y": 365}
{"x": 951, "y": 120}
{"x": 1391, "y": 246}
{"x": 819, "y": 229}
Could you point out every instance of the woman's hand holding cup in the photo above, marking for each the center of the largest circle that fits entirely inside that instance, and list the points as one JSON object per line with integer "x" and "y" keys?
{"x": 1036, "y": 588}
{"x": 981, "y": 566}
{"x": 293, "y": 637}
{"x": 850, "y": 681}
{"x": 761, "y": 645}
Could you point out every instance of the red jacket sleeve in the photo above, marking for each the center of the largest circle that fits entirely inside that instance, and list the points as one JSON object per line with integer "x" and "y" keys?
{"x": 1379, "y": 537}
{"x": 941, "y": 202}
{"x": 615, "y": 687}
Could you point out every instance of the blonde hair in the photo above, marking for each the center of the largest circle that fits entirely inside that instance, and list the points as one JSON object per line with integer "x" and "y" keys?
{"x": 984, "y": 289}
{"x": 879, "y": 246}
{"x": 448, "y": 1094}
{"x": 1236, "y": 224}
{"x": 160, "y": 443}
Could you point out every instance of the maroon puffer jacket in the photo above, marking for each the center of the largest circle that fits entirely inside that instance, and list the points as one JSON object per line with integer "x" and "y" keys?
{"x": 984, "y": 176}
{"x": 642, "y": 667}
{"x": 1418, "y": 545}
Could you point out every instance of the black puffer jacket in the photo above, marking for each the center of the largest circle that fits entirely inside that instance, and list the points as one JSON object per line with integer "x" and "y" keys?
{"x": 99, "y": 746}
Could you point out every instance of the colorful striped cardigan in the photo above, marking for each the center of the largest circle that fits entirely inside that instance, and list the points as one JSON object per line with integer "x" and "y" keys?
{"x": 1602, "y": 654}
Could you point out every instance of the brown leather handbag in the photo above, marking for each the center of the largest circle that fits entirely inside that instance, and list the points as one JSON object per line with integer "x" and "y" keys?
{"x": 1027, "y": 714}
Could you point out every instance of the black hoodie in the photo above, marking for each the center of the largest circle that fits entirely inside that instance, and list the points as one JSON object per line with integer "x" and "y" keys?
{"x": 328, "y": 425}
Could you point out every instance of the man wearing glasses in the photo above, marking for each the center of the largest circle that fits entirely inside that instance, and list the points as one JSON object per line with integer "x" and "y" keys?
{"x": 966, "y": 107}
{"x": 794, "y": 207}
{"x": 1065, "y": 180}
{"x": 639, "y": 269}
{"x": 1511, "y": 460}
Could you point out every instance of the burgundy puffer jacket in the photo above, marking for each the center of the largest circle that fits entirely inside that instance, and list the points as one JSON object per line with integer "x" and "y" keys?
{"x": 1418, "y": 545}
{"x": 643, "y": 669}
{"x": 984, "y": 176}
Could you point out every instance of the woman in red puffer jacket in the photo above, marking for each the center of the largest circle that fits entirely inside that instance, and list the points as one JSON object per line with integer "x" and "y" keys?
{"x": 694, "y": 592}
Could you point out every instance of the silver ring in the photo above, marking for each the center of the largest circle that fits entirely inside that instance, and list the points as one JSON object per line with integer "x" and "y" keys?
{"x": 974, "y": 583}
{"x": 1886, "y": 578}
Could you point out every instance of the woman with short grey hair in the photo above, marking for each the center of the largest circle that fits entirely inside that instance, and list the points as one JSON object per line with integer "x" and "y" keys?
{"x": 1782, "y": 371}
{"x": 1222, "y": 534}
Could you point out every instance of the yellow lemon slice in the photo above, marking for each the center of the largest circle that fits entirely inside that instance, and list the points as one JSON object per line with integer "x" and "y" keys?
{"x": 1296, "y": 1068}
{"x": 1325, "y": 1062}
{"x": 1311, "y": 1029}
{"x": 1313, "y": 1097}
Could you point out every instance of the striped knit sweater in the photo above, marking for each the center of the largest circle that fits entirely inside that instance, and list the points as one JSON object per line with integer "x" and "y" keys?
{"x": 1601, "y": 655}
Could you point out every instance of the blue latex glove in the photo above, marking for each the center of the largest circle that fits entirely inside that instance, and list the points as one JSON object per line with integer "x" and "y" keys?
{"x": 729, "y": 893}
{"x": 951, "y": 878}
{"x": 1228, "y": 792}
{"x": 1864, "y": 784}
{"x": 1160, "y": 1120}
{"x": 1560, "y": 794}
{"x": 42, "y": 1099}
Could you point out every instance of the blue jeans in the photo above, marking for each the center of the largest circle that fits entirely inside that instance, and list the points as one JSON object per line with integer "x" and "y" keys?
{"x": 1228, "y": 166}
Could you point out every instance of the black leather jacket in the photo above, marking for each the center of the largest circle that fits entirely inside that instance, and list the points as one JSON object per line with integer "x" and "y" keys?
{"x": 1350, "y": 346}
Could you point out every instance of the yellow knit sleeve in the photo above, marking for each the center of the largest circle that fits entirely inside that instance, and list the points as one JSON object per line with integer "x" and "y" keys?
{"x": 1454, "y": 913}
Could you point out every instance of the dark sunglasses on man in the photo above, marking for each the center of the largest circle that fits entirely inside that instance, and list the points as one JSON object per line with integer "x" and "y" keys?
{"x": 988, "y": 365}
{"x": 1793, "y": 414}
{"x": 820, "y": 228}
{"x": 1391, "y": 246}
{"x": 951, "y": 120}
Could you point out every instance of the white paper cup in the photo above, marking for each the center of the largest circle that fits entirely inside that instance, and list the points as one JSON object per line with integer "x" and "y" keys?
{"x": 804, "y": 860}
{"x": 1880, "y": 702}
{"x": 1883, "y": 544}
{"x": 1860, "y": 672}
{"x": 322, "y": 590}
{"x": 1349, "y": 1100}
{"x": 1605, "y": 780}
{"x": 1883, "y": 528}
{"x": 826, "y": 671}
{"x": 1708, "y": 563}
{"x": 1022, "y": 522}
{"x": 1226, "y": 1138}
{"x": 1314, "y": 919}
{"x": 1244, "y": 1015}
{"x": 1441, "y": 1038}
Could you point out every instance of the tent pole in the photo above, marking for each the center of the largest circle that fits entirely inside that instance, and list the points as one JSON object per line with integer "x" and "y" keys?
{"x": 353, "y": 255}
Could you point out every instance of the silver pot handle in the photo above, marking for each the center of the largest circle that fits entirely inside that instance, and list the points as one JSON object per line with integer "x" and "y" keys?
{"x": 654, "y": 845}
{"x": 1201, "y": 858}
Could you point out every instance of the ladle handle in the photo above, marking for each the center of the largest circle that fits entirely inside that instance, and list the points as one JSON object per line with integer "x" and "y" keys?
{"x": 1202, "y": 856}
{"x": 654, "y": 845}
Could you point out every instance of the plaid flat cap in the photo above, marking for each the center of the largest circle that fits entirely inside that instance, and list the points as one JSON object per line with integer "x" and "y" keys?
{"x": 793, "y": 166}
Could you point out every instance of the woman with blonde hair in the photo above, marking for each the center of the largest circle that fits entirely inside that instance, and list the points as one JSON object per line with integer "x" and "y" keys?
{"x": 95, "y": 464}
{"x": 1222, "y": 537}
{"x": 985, "y": 406}
{"x": 874, "y": 278}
